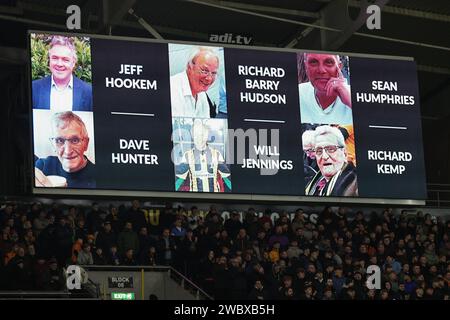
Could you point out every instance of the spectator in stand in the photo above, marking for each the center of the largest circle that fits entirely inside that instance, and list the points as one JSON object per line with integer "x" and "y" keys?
{"x": 251, "y": 224}
{"x": 40, "y": 222}
{"x": 95, "y": 218}
{"x": 85, "y": 255}
{"x": 54, "y": 280}
{"x": 99, "y": 258}
{"x": 145, "y": 241}
{"x": 128, "y": 259}
{"x": 286, "y": 284}
{"x": 242, "y": 241}
{"x": 20, "y": 271}
{"x": 76, "y": 248}
{"x": 149, "y": 258}
{"x": 430, "y": 254}
{"x": 233, "y": 224}
{"x": 29, "y": 238}
{"x": 187, "y": 254}
{"x": 298, "y": 221}
{"x": 127, "y": 239}
{"x": 81, "y": 231}
{"x": 40, "y": 270}
{"x": 238, "y": 283}
{"x": 279, "y": 237}
{"x": 266, "y": 218}
{"x": 338, "y": 280}
{"x": 418, "y": 294}
{"x": 259, "y": 292}
{"x": 35, "y": 208}
{"x": 90, "y": 239}
{"x": 63, "y": 241}
{"x": 222, "y": 281}
{"x": 45, "y": 243}
{"x": 178, "y": 231}
{"x": 395, "y": 265}
{"x": 205, "y": 275}
{"x": 113, "y": 218}
{"x": 274, "y": 254}
{"x": 193, "y": 218}
{"x": 225, "y": 239}
{"x": 107, "y": 237}
{"x": 166, "y": 218}
{"x": 214, "y": 223}
{"x": 166, "y": 248}
{"x": 136, "y": 216}
{"x": 114, "y": 257}
{"x": 6, "y": 214}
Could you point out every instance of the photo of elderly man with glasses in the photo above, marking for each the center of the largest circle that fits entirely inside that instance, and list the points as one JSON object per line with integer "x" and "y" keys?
{"x": 336, "y": 175}
{"x": 70, "y": 167}
{"x": 188, "y": 88}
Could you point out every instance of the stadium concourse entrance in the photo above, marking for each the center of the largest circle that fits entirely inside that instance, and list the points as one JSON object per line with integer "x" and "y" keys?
{"x": 121, "y": 283}
{"x": 143, "y": 283}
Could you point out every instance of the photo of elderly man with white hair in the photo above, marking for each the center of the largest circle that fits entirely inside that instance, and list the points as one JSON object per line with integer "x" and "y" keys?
{"x": 188, "y": 88}
{"x": 336, "y": 175}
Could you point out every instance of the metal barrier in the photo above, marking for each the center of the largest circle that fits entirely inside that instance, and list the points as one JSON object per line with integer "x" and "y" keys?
{"x": 42, "y": 295}
{"x": 19, "y": 295}
{"x": 88, "y": 291}
{"x": 438, "y": 195}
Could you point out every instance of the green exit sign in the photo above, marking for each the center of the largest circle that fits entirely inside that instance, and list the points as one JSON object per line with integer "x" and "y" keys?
{"x": 122, "y": 296}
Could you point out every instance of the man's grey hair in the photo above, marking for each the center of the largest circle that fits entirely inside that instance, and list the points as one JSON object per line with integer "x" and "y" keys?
{"x": 329, "y": 130}
{"x": 62, "y": 120}
{"x": 197, "y": 51}
{"x": 308, "y": 137}
{"x": 65, "y": 42}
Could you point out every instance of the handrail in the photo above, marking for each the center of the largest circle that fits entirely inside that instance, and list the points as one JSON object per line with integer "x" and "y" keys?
{"x": 96, "y": 288}
{"x": 113, "y": 267}
{"x": 59, "y": 299}
{"x": 439, "y": 184}
{"x": 35, "y": 293}
{"x": 438, "y": 195}
{"x": 192, "y": 283}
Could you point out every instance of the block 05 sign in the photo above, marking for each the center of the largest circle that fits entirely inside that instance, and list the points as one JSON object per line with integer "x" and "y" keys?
{"x": 120, "y": 282}
{"x": 113, "y": 115}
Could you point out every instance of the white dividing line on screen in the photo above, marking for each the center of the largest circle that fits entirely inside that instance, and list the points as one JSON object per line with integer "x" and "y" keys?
{"x": 388, "y": 127}
{"x": 133, "y": 114}
{"x": 264, "y": 120}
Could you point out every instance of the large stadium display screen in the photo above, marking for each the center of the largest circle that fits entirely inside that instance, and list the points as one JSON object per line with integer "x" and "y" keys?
{"x": 138, "y": 115}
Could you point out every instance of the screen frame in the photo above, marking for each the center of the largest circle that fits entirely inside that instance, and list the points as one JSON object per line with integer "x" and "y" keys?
{"x": 198, "y": 195}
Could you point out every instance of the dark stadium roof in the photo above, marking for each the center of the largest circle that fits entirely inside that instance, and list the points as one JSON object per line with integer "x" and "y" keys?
{"x": 270, "y": 23}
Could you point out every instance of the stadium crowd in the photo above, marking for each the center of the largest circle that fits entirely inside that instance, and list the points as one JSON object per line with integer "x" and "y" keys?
{"x": 247, "y": 256}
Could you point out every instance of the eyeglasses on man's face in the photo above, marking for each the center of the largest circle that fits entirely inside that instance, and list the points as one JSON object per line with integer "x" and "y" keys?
{"x": 329, "y": 149}
{"x": 59, "y": 141}
{"x": 205, "y": 72}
